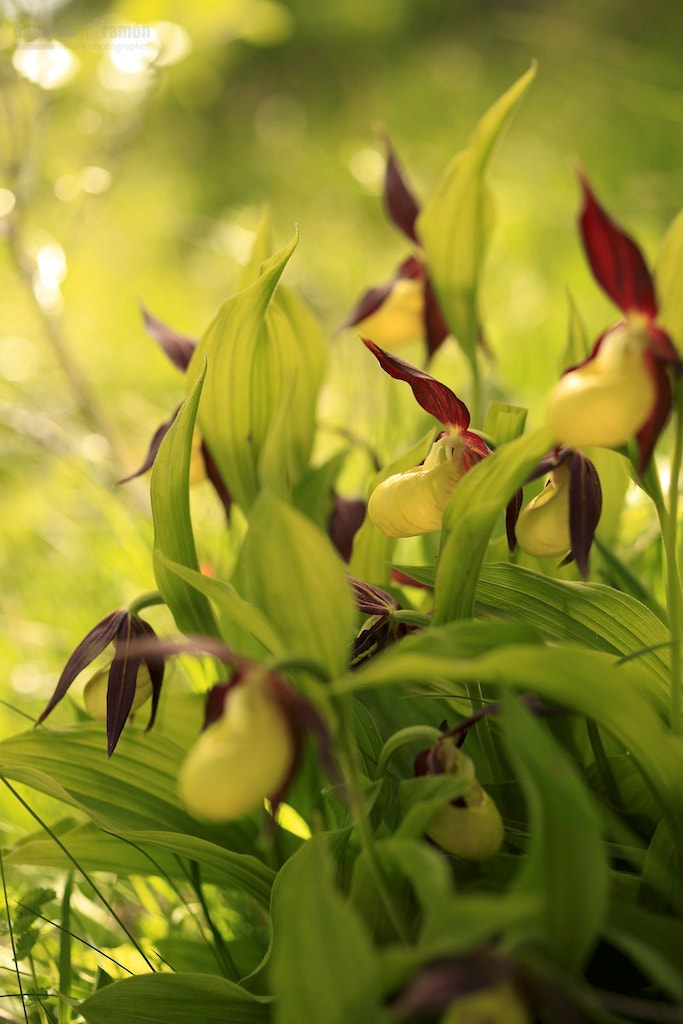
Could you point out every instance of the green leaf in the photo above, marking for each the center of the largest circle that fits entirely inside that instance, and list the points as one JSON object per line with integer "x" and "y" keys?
{"x": 133, "y": 791}
{"x": 668, "y": 276}
{"x": 587, "y": 614}
{"x": 324, "y": 969}
{"x": 371, "y": 556}
{"x": 654, "y": 943}
{"x": 266, "y": 361}
{"x": 175, "y": 999}
{"x": 65, "y": 951}
{"x": 470, "y": 516}
{"x": 291, "y": 572}
{"x": 260, "y": 250}
{"x": 504, "y": 422}
{"x": 455, "y": 224}
{"x": 231, "y": 608}
{"x": 614, "y": 696}
{"x": 173, "y": 538}
{"x": 422, "y": 797}
{"x": 572, "y": 876}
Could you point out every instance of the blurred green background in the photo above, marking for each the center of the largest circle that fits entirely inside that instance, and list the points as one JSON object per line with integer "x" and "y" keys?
{"x": 142, "y": 177}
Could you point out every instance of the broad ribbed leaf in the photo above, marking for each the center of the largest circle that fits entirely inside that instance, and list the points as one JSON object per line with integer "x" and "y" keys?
{"x": 266, "y": 360}
{"x": 477, "y": 503}
{"x": 170, "y": 497}
{"x": 668, "y": 274}
{"x": 324, "y": 969}
{"x": 572, "y": 876}
{"x": 455, "y": 223}
{"x": 615, "y": 696}
{"x": 290, "y": 571}
{"x": 232, "y": 609}
{"x": 175, "y": 999}
{"x": 504, "y": 422}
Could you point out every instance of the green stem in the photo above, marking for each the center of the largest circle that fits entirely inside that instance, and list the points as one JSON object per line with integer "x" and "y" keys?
{"x": 673, "y": 582}
{"x": 411, "y": 734}
{"x": 348, "y": 758}
{"x": 411, "y": 617}
{"x": 148, "y": 600}
{"x": 221, "y": 945}
{"x": 11, "y": 938}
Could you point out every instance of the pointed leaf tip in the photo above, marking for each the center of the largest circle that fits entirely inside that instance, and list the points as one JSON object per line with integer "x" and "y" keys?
{"x": 434, "y": 397}
{"x": 616, "y": 260}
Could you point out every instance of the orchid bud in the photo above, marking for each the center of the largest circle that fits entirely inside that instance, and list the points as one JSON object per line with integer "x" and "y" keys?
{"x": 606, "y": 400}
{"x": 242, "y": 758}
{"x": 496, "y": 1004}
{"x": 95, "y": 692}
{"x": 542, "y": 529}
{"x": 470, "y": 826}
{"x": 411, "y": 503}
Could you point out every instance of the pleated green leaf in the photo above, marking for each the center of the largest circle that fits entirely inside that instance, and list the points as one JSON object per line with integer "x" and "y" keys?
{"x": 173, "y": 537}
{"x": 289, "y": 570}
{"x": 571, "y": 875}
{"x": 456, "y": 221}
{"x": 478, "y": 502}
{"x": 266, "y": 361}
{"x": 175, "y": 999}
{"x": 588, "y": 682}
{"x": 668, "y": 277}
{"x": 324, "y": 969}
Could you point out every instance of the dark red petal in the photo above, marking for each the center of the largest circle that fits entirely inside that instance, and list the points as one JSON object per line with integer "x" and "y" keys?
{"x": 434, "y": 397}
{"x": 123, "y": 676}
{"x": 303, "y": 718}
{"x": 215, "y": 701}
{"x": 437, "y": 985}
{"x": 646, "y": 438}
{"x": 616, "y": 260}
{"x": 153, "y": 449}
{"x": 663, "y": 347}
{"x": 90, "y": 646}
{"x": 178, "y": 347}
{"x": 511, "y": 516}
{"x": 403, "y": 579}
{"x": 346, "y": 519}
{"x": 400, "y": 203}
{"x": 436, "y": 328}
{"x": 155, "y": 667}
{"x": 371, "y": 600}
{"x": 216, "y": 480}
{"x": 374, "y": 299}
{"x": 585, "y": 505}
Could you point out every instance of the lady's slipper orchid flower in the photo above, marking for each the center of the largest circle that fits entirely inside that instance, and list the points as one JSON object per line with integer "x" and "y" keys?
{"x": 623, "y": 389}
{"x": 250, "y": 747}
{"x": 405, "y": 308}
{"x": 470, "y": 826}
{"x": 411, "y": 503}
{"x": 560, "y": 522}
{"x": 128, "y": 681}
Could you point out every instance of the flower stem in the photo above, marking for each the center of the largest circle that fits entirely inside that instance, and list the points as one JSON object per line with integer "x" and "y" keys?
{"x": 673, "y": 582}
{"x": 147, "y": 600}
{"x": 348, "y": 758}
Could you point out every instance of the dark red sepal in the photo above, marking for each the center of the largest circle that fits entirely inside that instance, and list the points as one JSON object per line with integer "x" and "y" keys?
{"x": 89, "y": 648}
{"x": 216, "y": 480}
{"x": 663, "y": 348}
{"x": 511, "y": 516}
{"x": 345, "y": 522}
{"x": 410, "y": 270}
{"x": 401, "y": 205}
{"x": 435, "y": 398}
{"x": 646, "y": 438}
{"x": 155, "y": 667}
{"x": 178, "y": 347}
{"x": 615, "y": 259}
{"x": 436, "y": 328}
{"x": 585, "y": 506}
{"x": 153, "y": 450}
{"x": 121, "y": 683}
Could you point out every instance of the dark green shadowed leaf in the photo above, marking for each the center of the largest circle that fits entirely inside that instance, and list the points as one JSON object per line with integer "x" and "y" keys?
{"x": 175, "y": 999}
{"x": 173, "y": 538}
{"x": 456, "y": 221}
{"x": 290, "y": 571}
{"x": 565, "y": 860}
{"x": 471, "y": 514}
{"x": 324, "y": 969}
